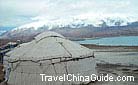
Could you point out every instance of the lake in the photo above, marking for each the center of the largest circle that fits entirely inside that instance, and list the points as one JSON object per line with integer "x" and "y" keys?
{"x": 113, "y": 41}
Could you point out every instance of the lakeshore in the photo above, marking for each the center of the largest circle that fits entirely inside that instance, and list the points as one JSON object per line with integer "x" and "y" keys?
{"x": 116, "y": 60}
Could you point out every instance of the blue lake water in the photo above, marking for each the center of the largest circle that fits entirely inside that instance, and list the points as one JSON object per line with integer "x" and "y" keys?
{"x": 113, "y": 41}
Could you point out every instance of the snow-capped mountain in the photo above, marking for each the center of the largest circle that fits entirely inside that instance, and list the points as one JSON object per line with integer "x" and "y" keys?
{"x": 2, "y": 31}
{"x": 73, "y": 23}
{"x": 77, "y": 23}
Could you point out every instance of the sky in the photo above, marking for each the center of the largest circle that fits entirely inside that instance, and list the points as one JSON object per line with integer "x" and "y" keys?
{"x": 14, "y": 13}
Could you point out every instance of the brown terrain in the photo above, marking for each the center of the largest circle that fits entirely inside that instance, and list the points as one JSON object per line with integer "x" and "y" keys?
{"x": 5, "y": 41}
{"x": 1, "y": 73}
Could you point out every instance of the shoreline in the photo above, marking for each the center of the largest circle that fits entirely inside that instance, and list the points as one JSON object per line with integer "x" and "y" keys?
{"x": 112, "y": 48}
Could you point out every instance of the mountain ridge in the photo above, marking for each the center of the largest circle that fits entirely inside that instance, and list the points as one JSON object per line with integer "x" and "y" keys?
{"x": 78, "y": 28}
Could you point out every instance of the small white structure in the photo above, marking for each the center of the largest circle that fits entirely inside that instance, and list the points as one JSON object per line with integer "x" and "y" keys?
{"x": 53, "y": 55}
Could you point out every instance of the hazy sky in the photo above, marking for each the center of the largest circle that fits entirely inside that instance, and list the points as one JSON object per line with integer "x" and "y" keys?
{"x": 19, "y": 12}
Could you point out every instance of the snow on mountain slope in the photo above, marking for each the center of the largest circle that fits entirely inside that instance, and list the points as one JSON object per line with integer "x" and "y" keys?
{"x": 2, "y": 31}
{"x": 33, "y": 25}
{"x": 78, "y": 22}
{"x": 75, "y": 22}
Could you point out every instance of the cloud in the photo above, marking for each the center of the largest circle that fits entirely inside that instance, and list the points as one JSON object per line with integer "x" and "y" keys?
{"x": 18, "y": 12}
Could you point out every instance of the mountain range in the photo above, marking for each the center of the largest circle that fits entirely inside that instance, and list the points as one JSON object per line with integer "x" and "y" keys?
{"x": 77, "y": 28}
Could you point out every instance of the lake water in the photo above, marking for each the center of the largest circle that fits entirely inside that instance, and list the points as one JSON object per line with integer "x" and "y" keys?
{"x": 113, "y": 41}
